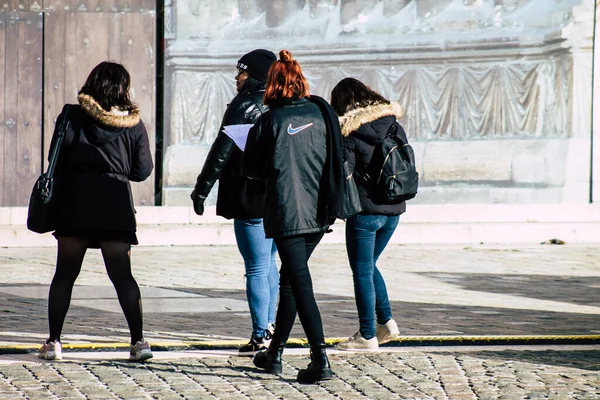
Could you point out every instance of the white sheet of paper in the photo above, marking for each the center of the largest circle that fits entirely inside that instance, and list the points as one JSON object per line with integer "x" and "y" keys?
{"x": 239, "y": 133}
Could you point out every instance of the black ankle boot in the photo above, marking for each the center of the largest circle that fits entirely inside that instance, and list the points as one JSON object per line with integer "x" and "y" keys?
{"x": 318, "y": 369}
{"x": 270, "y": 360}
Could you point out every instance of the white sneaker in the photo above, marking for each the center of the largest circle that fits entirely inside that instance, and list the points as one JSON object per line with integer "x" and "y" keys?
{"x": 358, "y": 343}
{"x": 387, "y": 332}
{"x": 141, "y": 351}
{"x": 51, "y": 351}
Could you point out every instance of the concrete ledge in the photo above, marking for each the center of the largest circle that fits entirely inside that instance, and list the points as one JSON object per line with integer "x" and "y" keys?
{"x": 407, "y": 233}
{"x": 435, "y": 224}
{"x": 493, "y": 171}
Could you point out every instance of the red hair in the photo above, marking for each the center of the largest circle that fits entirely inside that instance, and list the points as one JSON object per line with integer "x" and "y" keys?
{"x": 285, "y": 80}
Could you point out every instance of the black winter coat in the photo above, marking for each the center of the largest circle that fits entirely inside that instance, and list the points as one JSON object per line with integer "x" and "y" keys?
{"x": 362, "y": 129}
{"x": 239, "y": 197}
{"x": 100, "y": 154}
{"x": 288, "y": 147}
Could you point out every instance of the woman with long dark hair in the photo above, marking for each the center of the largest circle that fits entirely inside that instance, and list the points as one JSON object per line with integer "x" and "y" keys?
{"x": 105, "y": 147}
{"x": 293, "y": 147}
{"x": 366, "y": 117}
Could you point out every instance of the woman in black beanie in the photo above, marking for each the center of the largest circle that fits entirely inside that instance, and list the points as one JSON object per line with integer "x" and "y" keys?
{"x": 257, "y": 64}
{"x": 242, "y": 199}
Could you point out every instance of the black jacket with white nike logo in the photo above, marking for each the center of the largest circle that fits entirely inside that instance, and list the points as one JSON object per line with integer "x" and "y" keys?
{"x": 288, "y": 147}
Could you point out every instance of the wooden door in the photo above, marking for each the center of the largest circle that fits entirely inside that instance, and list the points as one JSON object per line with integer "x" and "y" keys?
{"x": 47, "y": 49}
{"x": 76, "y": 41}
{"x": 20, "y": 104}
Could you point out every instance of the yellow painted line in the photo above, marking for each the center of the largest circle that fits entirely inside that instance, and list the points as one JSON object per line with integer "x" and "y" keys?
{"x": 304, "y": 342}
{"x": 495, "y": 337}
{"x": 74, "y": 346}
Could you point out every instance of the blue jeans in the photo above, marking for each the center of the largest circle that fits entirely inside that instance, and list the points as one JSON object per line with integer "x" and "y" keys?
{"x": 262, "y": 278}
{"x": 366, "y": 237}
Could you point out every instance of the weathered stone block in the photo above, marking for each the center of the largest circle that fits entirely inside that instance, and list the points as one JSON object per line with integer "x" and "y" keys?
{"x": 182, "y": 164}
{"x": 463, "y": 161}
{"x": 419, "y": 150}
{"x": 181, "y": 167}
{"x": 540, "y": 162}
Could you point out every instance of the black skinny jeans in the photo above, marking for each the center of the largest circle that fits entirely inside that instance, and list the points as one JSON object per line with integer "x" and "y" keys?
{"x": 296, "y": 290}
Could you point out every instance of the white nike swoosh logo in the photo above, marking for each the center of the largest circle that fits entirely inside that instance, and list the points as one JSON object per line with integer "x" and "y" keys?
{"x": 293, "y": 131}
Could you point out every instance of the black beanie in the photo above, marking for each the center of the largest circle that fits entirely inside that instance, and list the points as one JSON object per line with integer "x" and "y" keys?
{"x": 257, "y": 63}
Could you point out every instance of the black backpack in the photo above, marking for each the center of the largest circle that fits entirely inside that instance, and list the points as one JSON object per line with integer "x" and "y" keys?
{"x": 391, "y": 172}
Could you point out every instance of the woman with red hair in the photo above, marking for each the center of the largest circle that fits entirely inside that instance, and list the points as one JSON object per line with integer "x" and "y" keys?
{"x": 296, "y": 147}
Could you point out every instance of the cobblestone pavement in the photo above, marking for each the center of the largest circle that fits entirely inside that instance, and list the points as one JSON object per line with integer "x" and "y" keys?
{"x": 197, "y": 294}
{"x": 509, "y": 374}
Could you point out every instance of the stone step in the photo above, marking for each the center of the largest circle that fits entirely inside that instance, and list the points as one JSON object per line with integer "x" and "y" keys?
{"x": 422, "y": 224}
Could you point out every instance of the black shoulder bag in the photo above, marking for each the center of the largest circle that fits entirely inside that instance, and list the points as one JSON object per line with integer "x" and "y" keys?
{"x": 352, "y": 204}
{"x": 42, "y": 203}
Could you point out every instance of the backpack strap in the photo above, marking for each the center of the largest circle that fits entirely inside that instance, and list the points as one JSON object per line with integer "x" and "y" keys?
{"x": 365, "y": 177}
{"x": 397, "y": 131}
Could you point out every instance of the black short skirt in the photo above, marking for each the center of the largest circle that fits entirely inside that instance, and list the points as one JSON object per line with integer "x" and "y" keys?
{"x": 97, "y": 236}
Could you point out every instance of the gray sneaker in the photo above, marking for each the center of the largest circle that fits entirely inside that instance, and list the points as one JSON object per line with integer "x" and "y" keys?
{"x": 51, "y": 351}
{"x": 140, "y": 351}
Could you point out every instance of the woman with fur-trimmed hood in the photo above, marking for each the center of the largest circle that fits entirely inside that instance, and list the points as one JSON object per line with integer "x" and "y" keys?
{"x": 366, "y": 117}
{"x": 105, "y": 147}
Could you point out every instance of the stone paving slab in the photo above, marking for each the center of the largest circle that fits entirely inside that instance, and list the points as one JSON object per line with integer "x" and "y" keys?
{"x": 198, "y": 294}
{"x": 456, "y": 375}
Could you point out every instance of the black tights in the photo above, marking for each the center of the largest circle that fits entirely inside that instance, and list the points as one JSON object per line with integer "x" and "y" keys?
{"x": 116, "y": 255}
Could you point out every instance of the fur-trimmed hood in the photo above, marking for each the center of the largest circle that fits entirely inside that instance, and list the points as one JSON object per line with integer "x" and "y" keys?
{"x": 112, "y": 119}
{"x": 352, "y": 120}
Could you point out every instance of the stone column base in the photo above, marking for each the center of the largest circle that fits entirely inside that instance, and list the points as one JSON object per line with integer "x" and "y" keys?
{"x": 182, "y": 164}
{"x": 517, "y": 171}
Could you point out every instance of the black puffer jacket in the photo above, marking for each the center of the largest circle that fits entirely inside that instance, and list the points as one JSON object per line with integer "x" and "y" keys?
{"x": 100, "y": 154}
{"x": 288, "y": 147}
{"x": 239, "y": 196}
{"x": 362, "y": 129}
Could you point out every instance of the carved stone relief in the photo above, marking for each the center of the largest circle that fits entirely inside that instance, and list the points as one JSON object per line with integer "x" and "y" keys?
{"x": 198, "y": 105}
{"x": 482, "y": 101}
{"x": 169, "y": 20}
{"x": 231, "y": 22}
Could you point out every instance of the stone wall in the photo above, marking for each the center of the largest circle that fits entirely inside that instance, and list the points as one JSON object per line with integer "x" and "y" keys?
{"x": 496, "y": 92}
